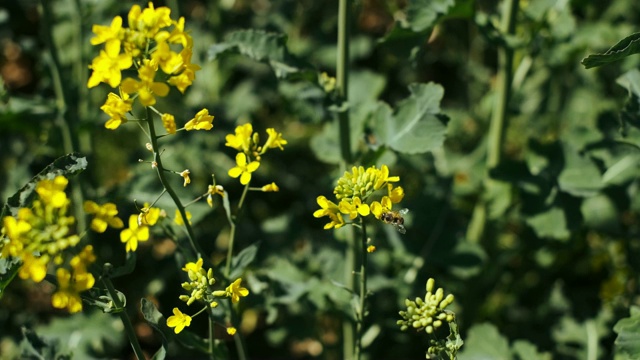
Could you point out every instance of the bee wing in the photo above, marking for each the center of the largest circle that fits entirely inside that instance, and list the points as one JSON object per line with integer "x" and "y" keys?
{"x": 401, "y": 229}
{"x": 403, "y": 211}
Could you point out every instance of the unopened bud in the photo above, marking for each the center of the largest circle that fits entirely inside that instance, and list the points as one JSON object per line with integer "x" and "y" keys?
{"x": 430, "y": 284}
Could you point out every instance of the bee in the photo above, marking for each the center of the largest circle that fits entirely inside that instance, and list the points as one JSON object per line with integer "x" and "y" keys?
{"x": 395, "y": 218}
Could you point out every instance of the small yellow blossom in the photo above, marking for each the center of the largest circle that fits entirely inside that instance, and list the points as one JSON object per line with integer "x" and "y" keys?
{"x": 383, "y": 178}
{"x": 213, "y": 190}
{"x": 241, "y": 141}
{"x": 330, "y": 209}
{"x": 150, "y": 20}
{"x": 178, "y": 219}
{"x": 395, "y": 194}
{"x": 235, "y": 291}
{"x": 185, "y": 175}
{"x": 243, "y": 170}
{"x": 178, "y": 320}
{"x": 108, "y": 65}
{"x": 193, "y": 266}
{"x": 69, "y": 288}
{"x": 105, "y": 215}
{"x": 231, "y": 330}
{"x": 116, "y": 107}
{"x": 353, "y": 207}
{"x": 149, "y": 215}
{"x": 135, "y": 233}
{"x": 147, "y": 88}
{"x": 270, "y": 188}
{"x": 34, "y": 268}
{"x": 371, "y": 248}
{"x": 377, "y": 208}
{"x": 52, "y": 193}
{"x": 169, "y": 123}
{"x": 274, "y": 140}
{"x": 202, "y": 121}
{"x": 169, "y": 61}
{"x": 107, "y": 33}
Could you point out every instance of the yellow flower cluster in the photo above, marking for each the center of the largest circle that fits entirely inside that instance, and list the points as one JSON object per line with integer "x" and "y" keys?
{"x": 200, "y": 285}
{"x": 250, "y": 152}
{"x": 354, "y": 189}
{"x": 428, "y": 314}
{"x": 147, "y": 46}
{"x": 44, "y": 234}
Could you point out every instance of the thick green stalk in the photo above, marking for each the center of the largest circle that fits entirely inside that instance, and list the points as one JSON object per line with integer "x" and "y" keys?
{"x": 232, "y": 233}
{"x": 128, "y": 327}
{"x": 499, "y": 119}
{"x": 197, "y": 251}
{"x": 361, "y": 313}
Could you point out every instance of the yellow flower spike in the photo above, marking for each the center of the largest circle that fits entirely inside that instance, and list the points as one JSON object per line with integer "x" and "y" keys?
{"x": 135, "y": 233}
{"x": 178, "y": 320}
{"x": 185, "y": 175}
{"x": 236, "y": 291}
{"x": 270, "y": 188}
{"x": 193, "y": 266}
{"x": 116, "y": 107}
{"x": 105, "y": 215}
{"x": 169, "y": 123}
{"x": 243, "y": 170}
{"x": 178, "y": 218}
{"x": 231, "y": 330}
{"x": 108, "y": 65}
{"x": 202, "y": 121}
{"x": 107, "y": 33}
{"x": 274, "y": 140}
{"x": 241, "y": 141}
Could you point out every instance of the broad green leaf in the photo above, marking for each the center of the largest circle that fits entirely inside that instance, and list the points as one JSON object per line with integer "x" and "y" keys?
{"x": 485, "y": 342}
{"x": 240, "y": 262}
{"x": 525, "y": 350}
{"x": 422, "y": 14}
{"x": 67, "y": 165}
{"x": 600, "y": 213}
{"x": 628, "y": 330}
{"x": 270, "y": 48}
{"x": 580, "y": 176}
{"x": 625, "y": 47}
{"x": 623, "y": 170}
{"x": 417, "y": 126}
{"x": 550, "y": 224}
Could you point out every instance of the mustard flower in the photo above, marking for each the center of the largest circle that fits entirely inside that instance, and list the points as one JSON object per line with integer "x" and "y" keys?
{"x": 395, "y": 194}
{"x": 231, "y": 330}
{"x": 371, "y": 248}
{"x": 51, "y": 192}
{"x": 243, "y": 170}
{"x": 16, "y": 231}
{"x": 274, "y": 140}
{"x": 150, "y": 20}
{"x": 107, "y": 33}
{"x": 383, "y": 178}
{"x": 178, "y": 219}
{"x": 169, "y": 123}
{"x": 169, "y": 61}
{"x": 185, "y": 175}
{"x": 241, "y": 141}
{"x": 235, "y": 291}
{"x": 149, "y": 215}
{"x": 270, "y": 188}
{"x": 107, "y": 66}
{"x": 179, "y": 36}
{"x": 147, "y": 88}
{"x": 213, "y": 190}
{"x": 135, "y": 233}
{"x": 34, "y": 268}
{"x": 178, "y": 320}
{"x": 202, "y": 121}
{"x": 105, "y": 215}
{"x": 377, "y": 208}
{"x": 330, "y": 209}
{"x": 116, "y": 107}
{"x": 69, "y": 288}
{"x": 186, "y": 72}
{"x": 353, "y": 207}
{"x": 193, "y": 266}
{"x": 429, "y": 313}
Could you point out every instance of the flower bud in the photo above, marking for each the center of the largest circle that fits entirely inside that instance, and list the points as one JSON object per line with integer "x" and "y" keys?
{"x": 184, "y": 298}
{"x": 430, "y": 284}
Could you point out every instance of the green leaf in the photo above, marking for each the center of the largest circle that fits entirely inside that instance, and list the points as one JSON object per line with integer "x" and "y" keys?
{"x": 70, "y": 164}
{"x": 628, "y": 330}
{"x": 8, "y": 271}
{"x": 127, "y": 268}
{"x": 422, "y": 14}
{"x": 550, "y": 224}
{"x": 485, "y": 342}
{"x": 625, "y": 47}
{"x": 417, "y": 126}
{"x": 525, "y": 350}
{"x": 227, "y": 206}
{"x": 240, "y": 262}
{"x": 269, "y": 48}
{"x": 623, "y": 170}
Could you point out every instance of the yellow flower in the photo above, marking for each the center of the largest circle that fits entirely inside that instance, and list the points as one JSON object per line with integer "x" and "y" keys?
{"x": 186, "y": 72}
{"x": 193, "y": 266}
{"x": 146, "y": 88}
{"x": 134, "y": 234}
{"x": 235, "y": 291}
{"x": 104, "y": 215}
{"x": 241, "y": 141}
{"x": 150, "y": 20}
{"x": 85, "y": 257}
{"x": 117, "y": 108}
{"x": 179, "y": 36}
{"x": 178, "y": 219}
{"x": 231, "y": 330}
{"x": 52, "y": 193}
{"x": 243, "y": 170}
{"x": 371, "y": 248}
{"x": 270, "y": 188}
{"x": 69, "y": 288}
{"x": 107, "y": 33}
{"x": 168, "y": 60}
{"x": 169, "y": 123}
{"x": 353, "y": 207}
{"x": 274, "y": 140}
{"x": 395, "y": 195}
{"x": 34, "y": 268}
{"x": 149, "y": 215}
{"x": 107, "y": 66}
{"x": 15, "y": 230}
{"x": 202, "y": 121}
{"x": 185, "y": 175}
{"x": 377, "y": 208}
{"x": 213, "y": 190}
{"x": 328, "y": 208}
{"x": 178, "y": 320}
{"x": 383, "y": 178}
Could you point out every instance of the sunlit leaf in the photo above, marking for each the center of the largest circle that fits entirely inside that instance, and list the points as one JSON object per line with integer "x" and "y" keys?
{"x": 240, "y": 262}
{"x": 628, "y": 330}
{"x": 485, "y": 342}
{"x": 625, "y": 47}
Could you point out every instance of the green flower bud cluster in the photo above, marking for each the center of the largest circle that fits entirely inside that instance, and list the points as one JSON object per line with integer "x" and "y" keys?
{"x": 428, "y": 314}
{"x": 200, "y": 286}
{"x": 362, "y": 183}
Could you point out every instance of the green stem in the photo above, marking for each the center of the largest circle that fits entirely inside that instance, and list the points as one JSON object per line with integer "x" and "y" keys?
{"x": 128, "y": 327}
{"x": 232, "y": 233}
{"x": 212, "y": 324}
{"x": 499, "y": 119}
{"x": 361, "y": 314}
{"x": 342, "y": 78}
{"x": 197, "y": 251}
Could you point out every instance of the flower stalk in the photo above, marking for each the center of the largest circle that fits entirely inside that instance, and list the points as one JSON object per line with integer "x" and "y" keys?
{"x": 128, "y": 327}
{"x": 362, "y": 312}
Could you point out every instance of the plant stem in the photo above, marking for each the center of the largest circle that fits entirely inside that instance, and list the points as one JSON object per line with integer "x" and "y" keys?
{"x": 128, "y": 327}
{"x": 361, "y": 314}
{"x": 342, "y": 78}
{"x": 197, "y": 251}
{"x": 499, "y": 119}
{"x": 211, "y": 329}
{"x": 232, "y": 233}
